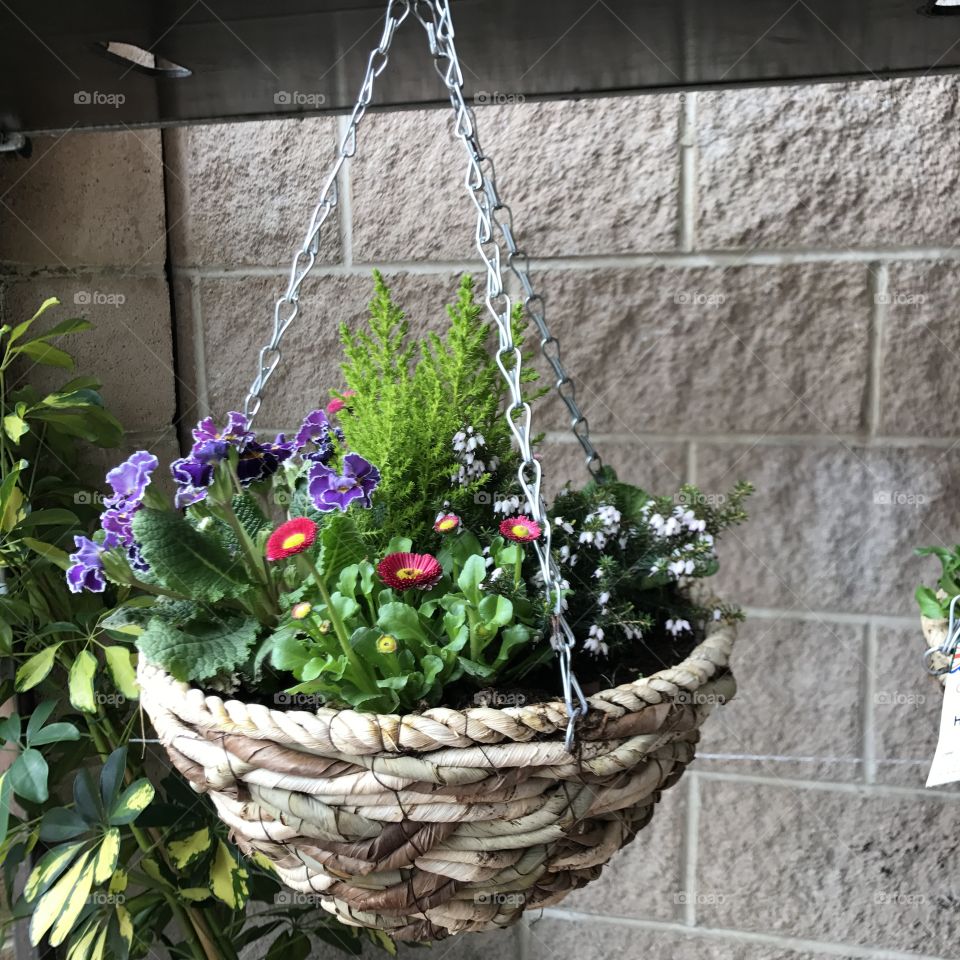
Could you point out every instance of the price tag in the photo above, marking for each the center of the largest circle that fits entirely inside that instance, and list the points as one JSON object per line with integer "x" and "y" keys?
{"x": 946, "y": 761}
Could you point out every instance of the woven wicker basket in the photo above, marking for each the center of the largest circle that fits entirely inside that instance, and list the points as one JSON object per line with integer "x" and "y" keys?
{"x": 935, "y": 632}
{"x": 449, "y": 820}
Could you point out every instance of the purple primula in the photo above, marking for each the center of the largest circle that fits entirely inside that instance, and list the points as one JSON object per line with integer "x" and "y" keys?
{"x": 261, "y": 460}
{"x": 330, "y": 490}
{"x": 211, "y": 444}
{"x": 317, "y": 430}
{"x": 129, "y": 480}
{"x": 118, "y": 527}
{"x": 258, "y": 460}
{"x": 192, "y": 477}
{"x": 87, "y": 570}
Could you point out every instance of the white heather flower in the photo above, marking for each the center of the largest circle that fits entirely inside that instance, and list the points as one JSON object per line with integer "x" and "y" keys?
{"x": 594, "y": 643}
{"x": 565, "y": 525}
{"x": 496, "y": 574}
{"x": 586, "y": 536}
{"x": 676, "y": 568}
{"x": 670, "y": 527}
{"x": 604, "y": 598}
{"x": 631, "y": 632}
{"x": 507, "y": 506}
{"x": 598, "y": 573}
{"x": 717, "y": 614}
{"x": 677, "y": 627}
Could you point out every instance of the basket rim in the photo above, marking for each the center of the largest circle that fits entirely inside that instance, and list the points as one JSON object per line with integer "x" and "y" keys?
{"x": 348, "y": 731}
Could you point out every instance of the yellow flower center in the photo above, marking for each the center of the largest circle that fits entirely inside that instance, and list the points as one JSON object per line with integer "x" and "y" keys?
{"x": 408, "y": 573}
{"x": 448, "y": 523}
{"x": 387, "y": 644}
{"x": 519, "y": 530}
{"x": 293, "y": 541}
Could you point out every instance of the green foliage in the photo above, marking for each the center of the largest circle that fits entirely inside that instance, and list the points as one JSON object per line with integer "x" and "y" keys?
{"x": 410, "y": 399}
{"x": 53, "y": 642}
{"x": 200, "y": 650}
{"x": 186, "y": 562}
{"x": 376, "y": 648}
{"x": 935, "y": 604}
{"x": 629, "y": 559}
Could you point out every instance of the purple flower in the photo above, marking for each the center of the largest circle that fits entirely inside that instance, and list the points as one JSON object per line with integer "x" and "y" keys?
{"x": 118, "y": 527}
{"x": 261, "y": 460}
{"x": 87, "y": 570}
{"x": 315, "y": 427}
{"x": 210, "y": 440}
{"x": 129, "y": 480}
{"x": 317, "y": 430}
{"x": 330, "y": 490}
{"x": 192, "y": 477}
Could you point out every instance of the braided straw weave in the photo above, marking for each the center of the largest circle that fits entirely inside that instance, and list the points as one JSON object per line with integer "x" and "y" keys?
{"x": 444, "y": 821}
{"x": 935, "y": 632}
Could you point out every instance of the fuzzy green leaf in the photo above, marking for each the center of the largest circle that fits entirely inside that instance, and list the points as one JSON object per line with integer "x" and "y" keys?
{"x": 200, "y": 650}
{"x": 185, "y": 561}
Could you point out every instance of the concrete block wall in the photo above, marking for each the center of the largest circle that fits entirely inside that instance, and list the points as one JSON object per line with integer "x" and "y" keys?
{"x": 83, "y": 219}
{"x": 753, "y": 284}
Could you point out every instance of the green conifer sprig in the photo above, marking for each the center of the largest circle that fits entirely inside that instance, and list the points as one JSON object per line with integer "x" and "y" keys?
{"x": 411, "y": 397}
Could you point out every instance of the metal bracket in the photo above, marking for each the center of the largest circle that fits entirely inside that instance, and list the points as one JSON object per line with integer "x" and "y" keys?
{"x": 13, "y": 143}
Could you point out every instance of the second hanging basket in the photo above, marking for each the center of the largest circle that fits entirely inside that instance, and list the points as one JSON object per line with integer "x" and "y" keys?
{"x": 446, "y": 821}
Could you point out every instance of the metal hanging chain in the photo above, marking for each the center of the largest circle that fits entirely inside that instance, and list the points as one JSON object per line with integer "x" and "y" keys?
{"x": 493, "y": 215}
{"x": 288, "y": 306}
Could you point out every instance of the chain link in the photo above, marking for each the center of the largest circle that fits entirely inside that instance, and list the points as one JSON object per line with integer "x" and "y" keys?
{"x": 493, "y": 217}
{"x": 288, "y": 306}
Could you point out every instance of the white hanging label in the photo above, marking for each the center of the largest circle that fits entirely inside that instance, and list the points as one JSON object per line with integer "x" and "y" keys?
{"x": 946, "y": 761}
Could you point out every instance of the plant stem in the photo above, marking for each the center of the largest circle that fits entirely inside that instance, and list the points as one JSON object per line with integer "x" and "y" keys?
{"x": 339, "y": 627}
{"x": 475, "y": 650}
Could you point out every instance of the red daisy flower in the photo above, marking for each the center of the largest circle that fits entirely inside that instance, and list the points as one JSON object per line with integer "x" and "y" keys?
{"x": 405, "y": 570}
{"x": 291, "y": 537}
{"x": 520, "y": 529}
{"x": 447, "y": 523}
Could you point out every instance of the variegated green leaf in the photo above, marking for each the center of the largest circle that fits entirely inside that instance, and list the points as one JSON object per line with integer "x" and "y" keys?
{"x": 135, "y": 799}
{"x": 59, "y": 907}
{"x": 106, "y": 858}
{"x": 185, "y": 851}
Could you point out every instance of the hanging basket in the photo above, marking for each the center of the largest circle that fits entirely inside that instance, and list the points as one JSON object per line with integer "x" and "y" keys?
{"x": 433, "y": 823}
{"x": 935, "y": 635}
{"x": 445, "y": 821}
